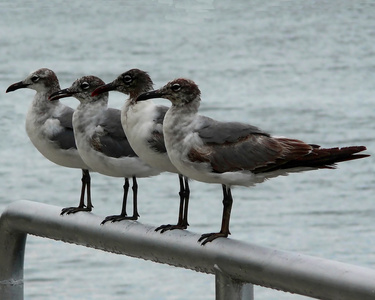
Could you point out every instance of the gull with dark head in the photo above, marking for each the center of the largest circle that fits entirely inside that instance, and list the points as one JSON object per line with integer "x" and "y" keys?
{"x": 232, "y": 153}
{"x": 101, "y": 141}
{"x": 143, "y": 125}
{"x": 49, "y": 127}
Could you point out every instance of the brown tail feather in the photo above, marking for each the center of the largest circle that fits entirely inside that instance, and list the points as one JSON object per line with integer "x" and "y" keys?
{"x": 321, "y": 158}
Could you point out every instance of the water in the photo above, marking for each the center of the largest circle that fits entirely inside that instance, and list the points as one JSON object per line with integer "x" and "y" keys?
{"x": 299, "y": 69}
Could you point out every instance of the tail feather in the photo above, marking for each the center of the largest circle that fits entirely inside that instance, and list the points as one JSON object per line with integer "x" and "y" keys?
{"x": 319, "y": 158}
{"x": 328, "y": 157}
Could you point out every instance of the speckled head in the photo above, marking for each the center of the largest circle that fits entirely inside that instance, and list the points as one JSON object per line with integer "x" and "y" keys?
{"x": 82, "y": 89}
{"x": 132, "y": 83}
{"x": 180, "y": 92}
{"x": 42, "y": 80}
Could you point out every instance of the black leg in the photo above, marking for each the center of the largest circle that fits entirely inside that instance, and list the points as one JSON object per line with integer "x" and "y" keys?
{"x": 181, "y": 193}
{"x": 86, "y": 179}
{"x": 135, "y": 199}
{"x": 187, "y": 198}
{"x": 183, "y": 209}
{"x": 125, "y": 197}
{"x": 83, "y": 189}
{"x": 123, "y": 215}
{"x": 227, "y": 208}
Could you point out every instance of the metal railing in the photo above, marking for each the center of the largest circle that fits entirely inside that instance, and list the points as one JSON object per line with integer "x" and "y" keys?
{"x": 236, "y": 265}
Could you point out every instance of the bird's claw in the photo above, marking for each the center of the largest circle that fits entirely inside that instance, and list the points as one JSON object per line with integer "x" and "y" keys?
{"x": 73, "y": 210}
{"x": 118, "y": 218}
{"x": 209, "y": 237}
{"x": 164, "y": 228}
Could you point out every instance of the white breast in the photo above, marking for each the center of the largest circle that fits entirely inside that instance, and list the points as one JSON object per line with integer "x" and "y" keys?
{"x": 138, "y": 122}
{"x": 85, "y": 125}
{"x": 40, "y": 128}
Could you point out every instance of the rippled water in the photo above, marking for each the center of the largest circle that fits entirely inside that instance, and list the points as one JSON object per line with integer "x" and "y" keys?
{"x": 303, "y": 69}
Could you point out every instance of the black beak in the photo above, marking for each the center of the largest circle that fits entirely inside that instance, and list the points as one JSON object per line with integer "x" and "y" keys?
{"x": 60, "y": 94}
{"x": 16, "y": 86}
{"x": 149, "y": 95}
{"x": 104, "y": 88}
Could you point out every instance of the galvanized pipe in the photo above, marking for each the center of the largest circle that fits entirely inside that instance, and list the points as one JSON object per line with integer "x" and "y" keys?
{"x": 229, "y": 288}
{"x": 242, "y": 263}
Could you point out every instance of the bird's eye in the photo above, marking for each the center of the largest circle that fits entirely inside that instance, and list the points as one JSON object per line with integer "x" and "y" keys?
{"x": 35, "y": 78}
{"x": 127, "y": 79}
{"x": 176, "y": 87}
{"x": 85, "y": 85}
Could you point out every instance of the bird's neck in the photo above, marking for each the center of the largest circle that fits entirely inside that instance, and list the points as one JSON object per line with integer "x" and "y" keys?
{"x": 189, "y": 108}
{"x": 177, "y": 118}
{"x": 41, "y": 105}
{"x": 130, "y": 103}
{"x": 92, "y": 105}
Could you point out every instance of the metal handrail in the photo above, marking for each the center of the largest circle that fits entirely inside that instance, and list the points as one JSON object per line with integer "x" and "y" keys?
{"x": 236, "y": 265}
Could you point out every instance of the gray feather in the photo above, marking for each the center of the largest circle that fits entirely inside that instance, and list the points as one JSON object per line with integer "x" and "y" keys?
{"x": 215, "y": 132}
{"x": 65, "y": 137}
{"x": 113, "y": 141}
{"x": 233, "y": 146}
{"x": 257, "y": 150}
{"x": 156, "y": 141}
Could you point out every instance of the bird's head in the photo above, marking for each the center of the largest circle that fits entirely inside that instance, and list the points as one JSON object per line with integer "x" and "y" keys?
{"x": 180, "y": 92}
{"x": 81, "y": 89}
{"x": 42, "y": 80}
{"x": 132, "y": 83}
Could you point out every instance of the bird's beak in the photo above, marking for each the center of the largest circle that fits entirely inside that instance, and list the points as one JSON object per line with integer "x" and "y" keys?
{"x": 104, "y": 88}
{"x": 60, "y": 94}
{"x": 149, "y": 95}
{"x": 16, "y": 86}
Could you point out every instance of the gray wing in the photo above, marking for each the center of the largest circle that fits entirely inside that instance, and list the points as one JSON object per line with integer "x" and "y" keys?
{"x": 111, "y": 140}
{"x": 215, "y": 132}
{"x": 235, "y": 146}
{"x": 65, "y": 137}
{"x": 156, "y": 140}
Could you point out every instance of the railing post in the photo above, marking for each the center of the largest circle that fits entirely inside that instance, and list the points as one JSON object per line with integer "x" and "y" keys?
{"x": 229, "y": 288}
{"x": 12, "y": 251}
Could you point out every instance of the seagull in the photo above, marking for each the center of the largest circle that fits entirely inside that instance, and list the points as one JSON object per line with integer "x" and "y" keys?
{"x": 49, "y": 127}
{"x": 232, "y": 153}
{"x": 101, "y": 141}
{"x": 143, "y": 126}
